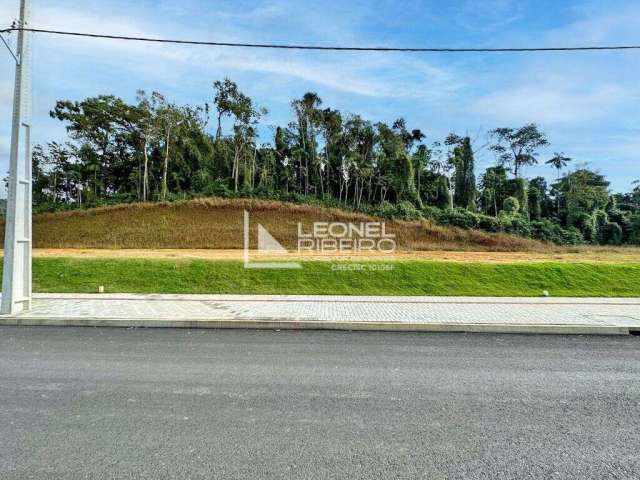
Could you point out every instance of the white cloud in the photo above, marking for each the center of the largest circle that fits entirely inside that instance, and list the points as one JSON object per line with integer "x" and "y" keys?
{"x": 572, "y": 88}
{"x": 360, "y": 74}
{"x": 597, "y": 26}
{"x": 580, "y": 100}
{"x": 552, "y": 104}
{"x": 488, "y": 15}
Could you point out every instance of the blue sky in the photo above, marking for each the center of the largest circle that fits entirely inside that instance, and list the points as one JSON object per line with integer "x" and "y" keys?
{"x": 587, "y": 103}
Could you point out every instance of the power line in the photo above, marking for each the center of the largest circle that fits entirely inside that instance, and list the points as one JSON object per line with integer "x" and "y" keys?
{"x": 328, "y": 48}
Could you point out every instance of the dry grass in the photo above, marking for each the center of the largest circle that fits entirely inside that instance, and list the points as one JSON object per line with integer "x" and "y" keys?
{"x": 215, "y": 223}
{"x": 599, "y": 255}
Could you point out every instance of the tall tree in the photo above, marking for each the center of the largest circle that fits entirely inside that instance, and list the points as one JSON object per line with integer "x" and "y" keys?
{"x": 307, "y": 118}
{"x": 518, "y": 147}
{"x": 493, "y": 184}
{"x": 558, "y": 161}
{"x": 462, "y": 160}
{"x": 226, "y": 100}
{"x": 583, "y": 192}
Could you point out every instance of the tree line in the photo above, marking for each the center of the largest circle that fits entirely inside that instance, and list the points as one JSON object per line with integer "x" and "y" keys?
{"x": 156, "y": 150}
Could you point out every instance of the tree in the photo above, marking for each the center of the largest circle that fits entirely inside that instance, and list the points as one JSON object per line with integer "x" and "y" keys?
{"x": 464, "y": 176}
{"x": 39, "y": 178}
{"x": 169, "y": 119}
{"x": 106, "y": 129}
{"x": 331, "y": 124}
{"x": 421, "y": 162}
{"x": 308, "y": 116}
{"x": 582, "y": 192}
{"x": 226, "y": 99}
{"x": 518, "y": 147}
{"x": 537, "y": 198}
{"x": 511, "y": 205}
{"x": 152, "y": 149}
{"x": 558, "y": 161}
{"x": 493, "y": 184}
{"x": 149, "y": 109}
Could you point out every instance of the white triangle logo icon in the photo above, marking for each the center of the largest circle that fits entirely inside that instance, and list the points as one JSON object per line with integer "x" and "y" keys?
{"x": 266, "y": 243}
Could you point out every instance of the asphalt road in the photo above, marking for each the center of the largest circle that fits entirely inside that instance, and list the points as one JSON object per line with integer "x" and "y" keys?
{"x": 156, "y": 404}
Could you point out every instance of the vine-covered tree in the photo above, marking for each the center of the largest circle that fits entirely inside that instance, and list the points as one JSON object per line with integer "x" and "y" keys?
{"x": 154, "y": 149}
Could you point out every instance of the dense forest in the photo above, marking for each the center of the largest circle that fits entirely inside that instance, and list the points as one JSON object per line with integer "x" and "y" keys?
{"x": 154, "y": 150}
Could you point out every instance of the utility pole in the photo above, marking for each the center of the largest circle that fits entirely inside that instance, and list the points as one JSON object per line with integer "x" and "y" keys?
{"x": 16, "y": 281}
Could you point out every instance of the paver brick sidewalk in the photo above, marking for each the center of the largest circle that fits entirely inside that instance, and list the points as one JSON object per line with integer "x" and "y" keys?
{"x": 528, "y": 315}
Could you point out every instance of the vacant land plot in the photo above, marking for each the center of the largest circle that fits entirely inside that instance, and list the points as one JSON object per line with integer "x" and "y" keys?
{"x": 147, "y": 275}
{"x": 218, "y": 224}
{"x": 579, "y": 255}
{"x": 196, "y": 247}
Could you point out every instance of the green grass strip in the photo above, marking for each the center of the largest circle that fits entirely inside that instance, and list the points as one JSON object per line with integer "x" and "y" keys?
{"x": 84, "y": 275}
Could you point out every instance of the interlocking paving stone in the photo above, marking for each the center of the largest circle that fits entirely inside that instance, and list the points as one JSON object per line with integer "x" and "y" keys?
{"x": 431, "y": 310}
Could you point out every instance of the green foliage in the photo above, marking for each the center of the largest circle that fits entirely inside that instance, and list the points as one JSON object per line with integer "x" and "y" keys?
{"x": 153, "y": 150}
{"x": 600, "y": 219}
{"x": 612, "y": 234}
{"x": 583, "y": 192}
{"x": 516, "y": 224}
{"x": 76, "y": 275}
{"x": 536, "y": 199}
{"x": 489, "y": 223}
{"x": 634, "y": 229}
{"x": 407, "y": 211}
{"x": 464, "y": 178}
{"x": 431, "y": 213}
{"x": 518, "y": 147}
{"x": 459, "y": 217}
{"x": 494, "y": 188}
{"x": 511, "y": 205}
{"x": 443, "y": 194}
{"x": 518, "y": 188}
{"x": 586, "y": 224}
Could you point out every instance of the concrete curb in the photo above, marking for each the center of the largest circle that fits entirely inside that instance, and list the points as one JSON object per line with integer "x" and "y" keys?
{"x": 273, "y": 324}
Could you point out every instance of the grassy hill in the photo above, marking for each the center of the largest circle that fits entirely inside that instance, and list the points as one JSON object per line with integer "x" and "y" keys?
{"x": 215, "y": 223}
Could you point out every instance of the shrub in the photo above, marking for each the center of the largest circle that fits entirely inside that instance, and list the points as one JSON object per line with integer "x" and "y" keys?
{"x": 459, "y": 217}
{"x": 511, "y": 205}
{"x": 516, "y": 224}
{"x": 386, "y": 210}
{"x": 550, "y": 231}
{"x": 586, "y": 223}
{"x": 572, "y": 236}
{"x": 518, "y": 188}
{"x": 547, "y": 231}
{"x": 488, "y": 223}
{"x": 407, "y": 211}
{"x": 432, "y": 213}
{"x": 217, "y": 188}
{"x": 634, "y": 229}
{"x": 612, "y": 234}
{"x": 600, "y": 219}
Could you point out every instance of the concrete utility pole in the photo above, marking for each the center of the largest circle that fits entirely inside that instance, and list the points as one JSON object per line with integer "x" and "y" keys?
{"x": 16, "y": 281}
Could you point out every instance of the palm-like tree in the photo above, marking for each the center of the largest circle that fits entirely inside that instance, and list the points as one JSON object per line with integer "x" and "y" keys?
{"x": 558, "y": 161}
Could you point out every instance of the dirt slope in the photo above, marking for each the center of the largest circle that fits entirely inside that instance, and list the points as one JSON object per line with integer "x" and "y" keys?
{"x": 218, "y": 224}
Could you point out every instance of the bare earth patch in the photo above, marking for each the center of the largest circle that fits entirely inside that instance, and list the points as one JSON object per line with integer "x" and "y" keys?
{"x": 621, "y": 255}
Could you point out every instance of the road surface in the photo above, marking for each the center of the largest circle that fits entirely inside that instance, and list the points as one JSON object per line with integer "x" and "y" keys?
{"x": 155, "y": 404}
